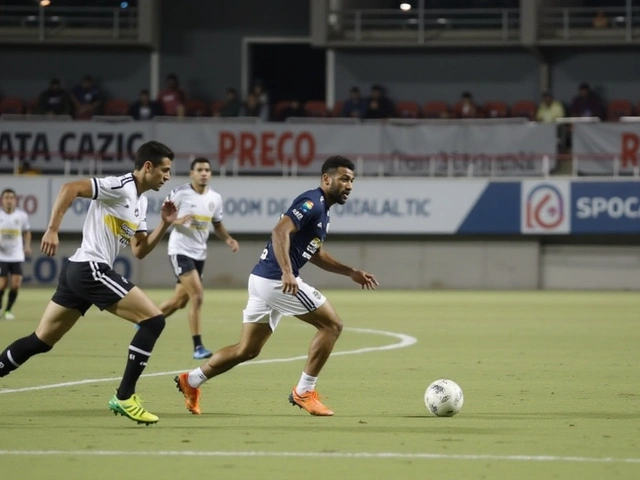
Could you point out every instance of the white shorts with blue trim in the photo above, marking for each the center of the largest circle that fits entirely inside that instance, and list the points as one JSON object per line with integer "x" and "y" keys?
{"x": 267, "y": 303}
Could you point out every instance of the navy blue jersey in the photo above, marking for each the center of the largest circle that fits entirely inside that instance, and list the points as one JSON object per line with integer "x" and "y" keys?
{"x": 311, "y": 216}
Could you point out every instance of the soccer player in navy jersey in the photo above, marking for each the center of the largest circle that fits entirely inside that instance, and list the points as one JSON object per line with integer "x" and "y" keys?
{"x": 276, "y": 290}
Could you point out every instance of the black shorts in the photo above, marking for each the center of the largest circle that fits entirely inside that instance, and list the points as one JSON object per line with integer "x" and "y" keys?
{"x": 182, "y": 264}
{"x": 82, "y": 284}
{"x": 10, "y": 268}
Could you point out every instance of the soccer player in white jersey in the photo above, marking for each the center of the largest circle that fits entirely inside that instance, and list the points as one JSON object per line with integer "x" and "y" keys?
{"x": 116, "y": 218}
{"x": 188, "y": 246}
{"x": 276, "y": 289}
{"x": 15, "y": 243}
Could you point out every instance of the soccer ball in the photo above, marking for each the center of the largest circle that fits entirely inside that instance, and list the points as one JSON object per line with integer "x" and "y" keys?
{"x": 443, "y": 398}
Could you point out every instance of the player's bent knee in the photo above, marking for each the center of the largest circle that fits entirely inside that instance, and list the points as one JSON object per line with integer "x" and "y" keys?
{"x": 248, "y": 352}
{"x": 155, "y": 324}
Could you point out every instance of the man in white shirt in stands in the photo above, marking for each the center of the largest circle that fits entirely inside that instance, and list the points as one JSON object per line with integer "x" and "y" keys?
{"x": 202, "y": 206}
{"x": 15, "y": 243}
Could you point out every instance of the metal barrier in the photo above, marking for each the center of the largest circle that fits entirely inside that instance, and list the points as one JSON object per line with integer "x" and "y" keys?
{"x": 37, "y": 22}
{"x": 420, "y": 24}
{"x": 598, "y": 23}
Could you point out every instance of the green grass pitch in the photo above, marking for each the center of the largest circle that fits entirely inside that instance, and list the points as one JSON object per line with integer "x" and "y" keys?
{"x": 550, "y": 381}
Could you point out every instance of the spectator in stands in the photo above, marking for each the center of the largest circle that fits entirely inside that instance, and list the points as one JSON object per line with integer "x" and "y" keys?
{"x": 549, "y": 109}
{"x": 54, "y": 100}
{"x": 468, "y": 108}
{"x": 378, "y": 105}
{"x": 600, "y": 20}
{"x": 251, "y": 107}
{"x": 172, "y": 98}
{"x": 145, "y": 108}
{"x": 294, "y": 109}
{"x": 232, "y": 105}
{"x": 587, "y": 103}
{"x": 262, "y": 97}
{"x": 355, "y": 106}
{"x": 86, "y": 98}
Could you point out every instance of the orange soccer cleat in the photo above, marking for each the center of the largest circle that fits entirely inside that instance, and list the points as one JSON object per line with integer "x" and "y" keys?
{"x": 191, "y": 395}
{"x": 310, "y": 401}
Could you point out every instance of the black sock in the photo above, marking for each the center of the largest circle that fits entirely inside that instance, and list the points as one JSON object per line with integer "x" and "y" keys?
{"x": 1, "y": 297}
{"x": 20, "y": 351}
{"x": 13, "y": 294}
{"x": 197, "y": 341}
{"x": 139, "y": 353}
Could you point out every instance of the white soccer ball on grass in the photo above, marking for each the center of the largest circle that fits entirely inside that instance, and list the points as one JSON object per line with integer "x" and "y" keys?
{"x": 444, "y": 398}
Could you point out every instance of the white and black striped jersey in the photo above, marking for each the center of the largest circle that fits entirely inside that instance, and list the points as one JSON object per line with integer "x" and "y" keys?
{"x": 116, "y": 213}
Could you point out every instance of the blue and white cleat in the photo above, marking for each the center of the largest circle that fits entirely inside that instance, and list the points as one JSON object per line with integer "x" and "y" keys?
{"x": 200, "y": 353}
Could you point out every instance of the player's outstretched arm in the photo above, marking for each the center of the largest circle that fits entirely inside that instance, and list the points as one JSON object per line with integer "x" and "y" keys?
{"x": 221, "y": 232}
{"x": 326, "y": 262}
{"x": 142, "y": 244}
{"x": 67, "y": 194}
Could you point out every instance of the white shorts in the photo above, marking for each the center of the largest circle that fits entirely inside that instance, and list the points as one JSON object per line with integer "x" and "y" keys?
{"x": 267, "y": 303}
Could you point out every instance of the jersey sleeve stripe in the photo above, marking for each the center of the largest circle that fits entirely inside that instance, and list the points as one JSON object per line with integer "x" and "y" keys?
{"x": 95, "y": 188}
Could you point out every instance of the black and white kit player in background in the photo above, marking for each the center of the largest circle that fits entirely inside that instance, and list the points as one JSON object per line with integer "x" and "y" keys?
{"x": 116, "y": 218}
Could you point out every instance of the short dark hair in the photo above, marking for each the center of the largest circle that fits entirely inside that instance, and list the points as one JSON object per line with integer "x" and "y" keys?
{"x": 7, "y": 190}
{"x": 153, "y": 152}
{"x": 199, "y": 160}
{"x": 333, "y": 163}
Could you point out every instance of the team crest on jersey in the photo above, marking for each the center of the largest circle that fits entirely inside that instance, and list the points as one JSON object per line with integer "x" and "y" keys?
{"x": 306, "y": 206}
{"x": 136, "y": 212}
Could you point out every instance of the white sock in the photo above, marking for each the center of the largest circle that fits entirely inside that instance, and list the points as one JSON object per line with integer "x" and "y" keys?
{"x": 196, "y": 378}
{"x": 307, "y": 383}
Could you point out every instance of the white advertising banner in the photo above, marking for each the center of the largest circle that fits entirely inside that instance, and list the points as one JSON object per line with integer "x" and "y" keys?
{"x": 254, "y": 205}
{"x": 462, "y": 150}
{"x": 392, "y": 150}
{"x": 47, "y": 145}
{"x": 599, "y": 145}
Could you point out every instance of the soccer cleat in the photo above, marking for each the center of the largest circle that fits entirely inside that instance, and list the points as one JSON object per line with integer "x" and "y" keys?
{"x": 9, "y": 316}
{"x": 132, "y": 408}
{"x": 201, "y": 353}
{"x": 191, "y": 395}
{"x": 310, "y": 401}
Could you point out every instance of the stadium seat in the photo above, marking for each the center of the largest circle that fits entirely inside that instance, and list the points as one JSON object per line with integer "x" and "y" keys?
{"x": 435, "y": 109}
{"x": 32, "y": 106}
{"x": 406, "y": 109}
{"x": 524, "y": 109}
{"x": 116, "y": 107}
{"x": 337, "y": 109}
{"x": 495, "y": 109}
{"x": 316, "y": 108}
{"x": 11, "y": 105}
{"x": 216, "y": 106}
{"x": 617, "y": 109}
{"x": 279, "y": 108}
{"x": 196, "y": 108}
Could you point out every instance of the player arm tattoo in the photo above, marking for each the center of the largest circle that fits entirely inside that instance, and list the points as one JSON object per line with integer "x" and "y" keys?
{"x": 67, "y": 194}
{"x": 282, "y": 243}
{"x": 326, "y": 262}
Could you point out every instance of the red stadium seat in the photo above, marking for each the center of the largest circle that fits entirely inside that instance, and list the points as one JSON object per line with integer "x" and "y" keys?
{"x": 216, "y": 106}
{"x": 617, "y": 109}
{"x": 495, "y": 109}
{"x": 116, "y": 106}
{"x": 524, "y": 109}
{"x": 11, "y": 105}
{"x": 337, "y": 109}
{"x": 279, "y": 108}
{"x": 196, "y": 108}
{"x": 406, "y": 109}
{"x": 435, "y": 109}
{"x": 316, "y": 108}
{"x": 32, "y": 106}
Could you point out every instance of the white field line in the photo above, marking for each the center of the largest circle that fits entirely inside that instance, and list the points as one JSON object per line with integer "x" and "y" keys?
{"x": 341, "y": 455}
{"x": 403, "y": 341}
